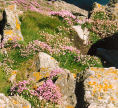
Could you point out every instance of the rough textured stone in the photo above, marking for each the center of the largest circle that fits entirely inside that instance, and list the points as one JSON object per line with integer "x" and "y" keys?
{"x": 110, "y": 10}
{"x": 13, "y": 102}
{"x": 83, "y": 34}
{"x": 66, "y": 83}
{"x": 45, "y": 64}
{"x": 99, "y": 7}
{"x": 12, "y": 77}
{"x": 113, "y": 11}
{"x": 12, "y": 30}
{"x": 62, "y": 5}
{"x": 100, "y": 87}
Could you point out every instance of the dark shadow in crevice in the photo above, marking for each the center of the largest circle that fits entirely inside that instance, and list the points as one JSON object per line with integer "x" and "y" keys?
{"x": 80, "y": 91}
{"x": 2, "y": 25}
{"x": 108, "y": 43}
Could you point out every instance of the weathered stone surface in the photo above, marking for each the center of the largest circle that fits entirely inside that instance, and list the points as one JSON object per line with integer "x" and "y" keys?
{"x": 110, "y": 10}
{"x": 45, "y": 64}
{"x": 66, "y": 83}
{"x": 98, "y": 7}
{"x": 100, "y": 87}
{"x": 62, "y": 5}
{"x": 113, "y": 11}
{"x": 13, "y": 102}
{"x": 12, "y": 77}
{"x": 109, "y": 55}
{"x": 83, "y": 34}
{"x": 12, "y": 30}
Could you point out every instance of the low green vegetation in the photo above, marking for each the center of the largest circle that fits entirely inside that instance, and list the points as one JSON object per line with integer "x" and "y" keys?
{"x": 33, "y": 23}
{"x": 100, "y": 16}
{"x": 4, "y": 84}
{"x": 52, "y": 31}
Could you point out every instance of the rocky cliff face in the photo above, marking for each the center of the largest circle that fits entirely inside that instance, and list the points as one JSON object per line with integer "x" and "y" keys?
{"x": 100, "y": 87}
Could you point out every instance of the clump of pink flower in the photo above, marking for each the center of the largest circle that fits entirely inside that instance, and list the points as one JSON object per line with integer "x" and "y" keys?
{"x": 66, "y": 15}
{"x": 56, "y": 72}
{"x": 49, "y": 91}
{"x": 71, "y": 49}
{"x": 32, "y": 5}
{"x": 20, "y": 87}
{"x": 34, "y": 47}
{"x": 63, "y": 14}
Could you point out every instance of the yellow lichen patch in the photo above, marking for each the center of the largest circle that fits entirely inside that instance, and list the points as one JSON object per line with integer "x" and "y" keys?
{"x": 112, "y": 99}
{"x": 98, "y": 5}
{"x": 8, "y": 32}
{"x": 98, "y": 75}
{"x": 10, "y": 38}
{"x": 94, "y": 91}
{"x": 111, "y": 71}
{"x": 20, "y": 38}
{"x": 93, "y": 69}
{"x": 69, "y": 106}
{"x": 37, "y": 75}
{"x": 91, "y": 76}
{"x": 100, "y": 87}
{"x": 99, "y": 97}
{"x": 13, "y": 72}
{"x": 105, "y": 87}
{"x": 26, "y": 106}
{"x": 47, "y": 74}
{"x": 91, "y": 83}
{"x": 11, "y": 7}
{"x": 74, "y": 75}
{"x": 52, "y": 58}
{"x": 115, "y": 78}
{"x": 15, "y": 102}
{"x": 110, "y": 86}
{"x": 43, "y": 69}
{"x": 17, "y": 25}
{"x": 101, "y": 69}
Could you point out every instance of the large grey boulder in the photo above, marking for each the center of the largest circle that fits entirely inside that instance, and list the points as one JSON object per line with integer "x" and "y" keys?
{"x": 45, "y": 64}
{"x": 99, "y": 86}
{"x": 13, "y": 102}
{"x": 66, "y": 82}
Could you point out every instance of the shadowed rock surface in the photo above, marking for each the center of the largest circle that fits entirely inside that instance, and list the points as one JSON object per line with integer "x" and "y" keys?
{"x": 108, "y": 45}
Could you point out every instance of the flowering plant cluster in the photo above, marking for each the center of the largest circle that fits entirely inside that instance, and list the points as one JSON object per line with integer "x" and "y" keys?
{"x": 67, "y": 16}
{"x": 48, "y": 91}
{"x": 32, "y": 5}
{"x": 65, "y": 54}
{"x": 34, "y": 47}
{"x": 104, "y": 28}
{"x": 70, "y": 49}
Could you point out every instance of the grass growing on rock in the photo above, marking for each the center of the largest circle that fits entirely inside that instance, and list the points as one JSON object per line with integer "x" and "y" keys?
{"x": 4, "y": 84}
{"x": 33, "y": 23}
{"x": 55, "y": 33}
